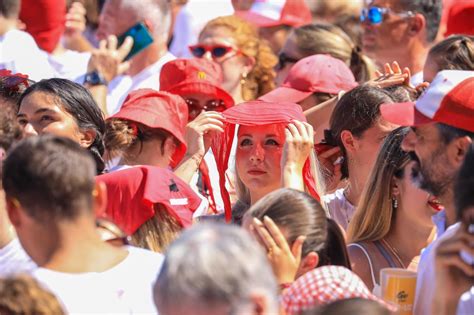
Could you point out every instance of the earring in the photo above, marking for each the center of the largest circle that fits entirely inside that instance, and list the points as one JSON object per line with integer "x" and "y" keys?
{"x": 244, "y": 78}
{"x": 394, "y": 203}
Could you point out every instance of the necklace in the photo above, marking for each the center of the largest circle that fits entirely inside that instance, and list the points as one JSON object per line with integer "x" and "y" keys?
{"x": 394, "y": 252}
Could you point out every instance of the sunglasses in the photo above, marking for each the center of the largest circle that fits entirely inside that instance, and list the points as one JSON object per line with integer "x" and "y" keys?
{"x": 217, "y": 51}
{"x": 283, "y": 59}
{"x": 375, "y": 15}
{"x": 195, "y": 107}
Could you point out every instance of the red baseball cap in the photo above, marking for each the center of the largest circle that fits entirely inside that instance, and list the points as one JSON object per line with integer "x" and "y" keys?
{"x": 460, "y": 18}
{"x": 157, "y": 109}
{"x": 448, "y": 100}
{"x": 200, "y": 76}
{"x": 267, "y": 13}
{"x": 133, "y": 192}
{"x": 317, "y": 73}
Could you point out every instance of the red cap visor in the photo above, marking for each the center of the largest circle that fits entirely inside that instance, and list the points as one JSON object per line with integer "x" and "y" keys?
{"x": 285, "y": 94}
{"x": 403, "y": 114}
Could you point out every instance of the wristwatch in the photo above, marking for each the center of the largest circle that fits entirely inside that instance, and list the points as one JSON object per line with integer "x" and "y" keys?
{"x": 95, "y": 78}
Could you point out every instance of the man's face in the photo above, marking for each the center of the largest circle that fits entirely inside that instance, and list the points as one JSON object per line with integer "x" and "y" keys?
{"x": 433, "y": 171}
{"x": 387, "y": 40}
{"x": 113, "y": 20}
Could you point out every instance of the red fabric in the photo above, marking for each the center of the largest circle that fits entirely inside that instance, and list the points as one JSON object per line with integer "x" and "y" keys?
{"x": 294, "y": 13}
{"x": 158, "y": 110}
{"x": 45, "y": 21}
{"x": 460, "y": 18}
{"x": 132, "y": 193}
{"x": 457, "y": 107}
{"x": 324, "y": 285}
{"x": 254, "y": 113}
{"x": 197, "y": 76}
{"x": 403, "y": 114}
{"x": 317, "y": 73}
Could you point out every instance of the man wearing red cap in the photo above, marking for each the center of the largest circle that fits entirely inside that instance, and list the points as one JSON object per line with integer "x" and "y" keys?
{"x": 106, "y": 72}
{"x": 401, "y": 30}
{"x": 442, "y": 123}
{"x": 276, "y": 18}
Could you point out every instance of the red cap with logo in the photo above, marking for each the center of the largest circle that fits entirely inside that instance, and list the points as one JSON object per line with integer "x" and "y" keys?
{"x": 448, "y": 100}
{"x": 267, "y": 13}
{"x": 156, "y": 109}
{"x": 317, "y": 73}
{"x": 133, "y": 192}
{"x": 196, "y": 76}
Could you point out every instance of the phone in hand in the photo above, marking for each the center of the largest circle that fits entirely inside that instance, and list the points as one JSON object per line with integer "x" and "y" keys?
{"x": 142, "y": 38}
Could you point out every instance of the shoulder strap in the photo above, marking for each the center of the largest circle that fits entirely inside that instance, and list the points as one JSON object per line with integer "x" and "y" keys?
{"x": 385, "y": 254}
{"x": 362, "y": 248}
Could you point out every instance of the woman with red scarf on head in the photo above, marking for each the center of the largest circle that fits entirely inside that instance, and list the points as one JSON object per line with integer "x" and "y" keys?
{"x": 274, "y": 149}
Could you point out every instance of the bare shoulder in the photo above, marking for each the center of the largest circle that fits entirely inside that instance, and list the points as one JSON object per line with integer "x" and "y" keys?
{"x": 360, "y": 263}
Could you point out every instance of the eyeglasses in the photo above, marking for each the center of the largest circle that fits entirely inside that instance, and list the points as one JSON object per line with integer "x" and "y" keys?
{"x": 217, "y": 51}
{"x": 375, "y": 15}
{"x": 283, "y": 59}
{"x": 195, "y": 107}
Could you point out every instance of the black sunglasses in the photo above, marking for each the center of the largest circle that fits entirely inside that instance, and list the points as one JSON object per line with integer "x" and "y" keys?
{"x": 283, "y": 59}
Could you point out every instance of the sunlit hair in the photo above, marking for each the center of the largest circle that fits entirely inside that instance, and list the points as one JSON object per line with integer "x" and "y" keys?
{"x": 375, "y": 212}
{"x": 329, "y": 39}
{"x": 454, "y": 53}
{"x": 243, "y": 193}
{"x": 259, "y": 81}
{"x": 22, "y": 294}
{"x": 297, "y": 213}
{"x": 123, "y": 136}
{"x": 158, "y": 232}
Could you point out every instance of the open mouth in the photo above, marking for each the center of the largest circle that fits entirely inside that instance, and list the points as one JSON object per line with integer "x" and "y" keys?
{"x": 435, "y": 204}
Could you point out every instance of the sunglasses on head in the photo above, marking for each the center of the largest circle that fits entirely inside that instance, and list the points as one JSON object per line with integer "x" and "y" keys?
{"x": 217, "y": 51}
{"x": 283, "y": 59}
{"x": 375, "y": 15}
{"x": 195, "y": 107}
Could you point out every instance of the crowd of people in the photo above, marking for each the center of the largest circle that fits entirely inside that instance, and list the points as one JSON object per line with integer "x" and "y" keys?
{"x": 236, "y": 156}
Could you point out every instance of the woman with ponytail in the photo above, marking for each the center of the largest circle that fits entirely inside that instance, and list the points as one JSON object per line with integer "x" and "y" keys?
{"x": 64, "y": 108}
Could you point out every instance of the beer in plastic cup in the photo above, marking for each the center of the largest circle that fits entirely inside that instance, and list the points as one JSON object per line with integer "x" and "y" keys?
{"x": 399, "y": 286}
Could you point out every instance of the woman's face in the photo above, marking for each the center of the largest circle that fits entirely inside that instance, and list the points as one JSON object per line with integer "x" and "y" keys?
{"x": 417, "y": 203}
{"x": 233, "y": 64}
{"x": 41, "y": 113}
{"x": 287, "y": 57}
{"x": 258, "y": 157}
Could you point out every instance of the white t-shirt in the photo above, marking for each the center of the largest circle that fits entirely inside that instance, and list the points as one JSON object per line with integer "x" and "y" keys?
{"x": 120, "y": 86}
{"x": 19, "y": 53}
{"x": 70, "y": 65}
{"x": 14, "y": 259}
{"x": 426, "y": 279}
{"x": 340, "y": 209}
{"x": 123, "y": 289}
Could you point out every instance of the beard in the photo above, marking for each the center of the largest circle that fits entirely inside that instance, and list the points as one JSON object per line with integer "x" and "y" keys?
{"x": 433, "y": 176}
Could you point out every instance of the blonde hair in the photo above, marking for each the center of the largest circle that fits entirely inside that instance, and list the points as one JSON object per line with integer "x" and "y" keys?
{"x": 259, "y": 81}
{"x": 329, "y": 39}
{"x": 157, "y": 233}
{"x": 375, "y": 213}
{"x": 22, "y": 294}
